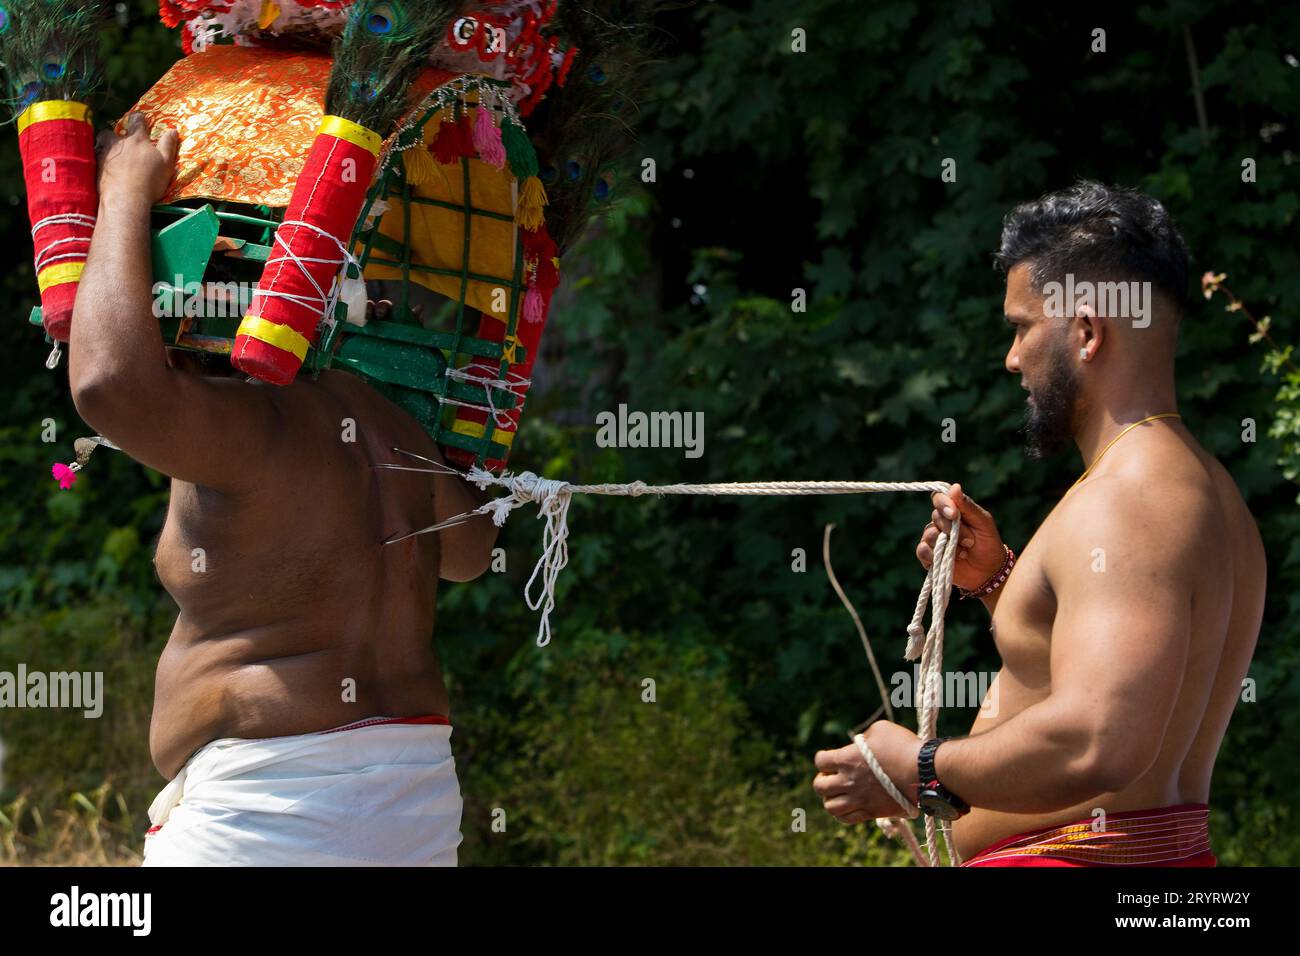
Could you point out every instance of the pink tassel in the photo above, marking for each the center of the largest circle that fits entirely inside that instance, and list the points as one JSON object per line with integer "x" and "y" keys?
{"x": 487, "y": 138}
{"x": 534, "y": 305}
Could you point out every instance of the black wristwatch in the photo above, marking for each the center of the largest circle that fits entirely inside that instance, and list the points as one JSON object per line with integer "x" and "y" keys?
{"x": 936, "y": 799}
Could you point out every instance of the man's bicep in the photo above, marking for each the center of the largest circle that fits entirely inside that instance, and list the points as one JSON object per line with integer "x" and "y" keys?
{"x": 1122, "y": 628}
{"x": 204, "y": 430}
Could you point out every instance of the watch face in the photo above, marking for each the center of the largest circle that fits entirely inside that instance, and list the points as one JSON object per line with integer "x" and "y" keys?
{"x": 933, "y": 804}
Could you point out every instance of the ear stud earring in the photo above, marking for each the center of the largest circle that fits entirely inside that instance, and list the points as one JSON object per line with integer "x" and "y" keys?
{"x": 1083, "y": 354}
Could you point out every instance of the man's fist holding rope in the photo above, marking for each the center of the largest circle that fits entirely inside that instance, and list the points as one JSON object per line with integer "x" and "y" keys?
{"x": 847, "y": 786}
{"x": 981, "y": 553}
{"x": 850, "y": 791}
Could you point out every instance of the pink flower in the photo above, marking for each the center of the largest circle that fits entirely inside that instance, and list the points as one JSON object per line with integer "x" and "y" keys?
{"x": 64, "y": 475}
{"x": 1210, "y": 283}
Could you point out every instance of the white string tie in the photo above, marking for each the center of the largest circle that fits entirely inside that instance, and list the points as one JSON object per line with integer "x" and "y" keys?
{"x": 323, "y": 303}
{"x": 44, "y": 258}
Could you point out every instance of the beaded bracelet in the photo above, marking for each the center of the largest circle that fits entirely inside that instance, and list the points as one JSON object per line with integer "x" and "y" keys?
{"x": 996, "y": 581}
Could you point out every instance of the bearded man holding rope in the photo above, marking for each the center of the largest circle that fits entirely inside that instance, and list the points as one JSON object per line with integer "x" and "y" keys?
{"x": 1130, "y": 619}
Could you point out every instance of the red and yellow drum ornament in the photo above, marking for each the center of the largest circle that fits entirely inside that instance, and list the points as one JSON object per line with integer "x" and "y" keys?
{"x": 57, "y": 143}
{"x": 301, "y": 281}
{"x": 48, "y": 48}
{"x": 384, "y": 48}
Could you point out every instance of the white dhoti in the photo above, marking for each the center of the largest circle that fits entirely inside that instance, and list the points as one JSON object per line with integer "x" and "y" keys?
{"x": 375, "y": 793}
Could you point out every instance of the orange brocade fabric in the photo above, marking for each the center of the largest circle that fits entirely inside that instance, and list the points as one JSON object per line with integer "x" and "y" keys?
{"x": 246, "y": 119}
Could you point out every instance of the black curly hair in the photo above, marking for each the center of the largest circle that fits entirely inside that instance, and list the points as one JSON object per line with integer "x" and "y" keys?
{"x": 1093, "y": 230}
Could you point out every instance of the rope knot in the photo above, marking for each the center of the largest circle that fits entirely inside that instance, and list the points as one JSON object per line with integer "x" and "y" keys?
{"x": 480, "y": 477}
{"x": 552, "y": 498}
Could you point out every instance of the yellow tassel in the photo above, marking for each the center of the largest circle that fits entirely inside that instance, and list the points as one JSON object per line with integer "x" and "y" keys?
{"x": 419, "y": 165}
{"x": 270, "y": 10}
{"x": 532, "y": 197}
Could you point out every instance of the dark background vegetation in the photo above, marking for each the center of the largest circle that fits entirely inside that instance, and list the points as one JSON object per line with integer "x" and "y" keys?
{"x": 775, "y": 171}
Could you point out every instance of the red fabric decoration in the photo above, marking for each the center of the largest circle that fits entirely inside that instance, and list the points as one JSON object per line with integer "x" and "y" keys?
{"x": 548, "y": 276}
{"x": 563, "y": 73}
{"x": 329, "y": 194}
{"x": 58, "y": 157}
{"x": 465, "y": 134}
{"x": 454, "y": 139}
{"x": 537, "y": 243}
{"x": 539, "y": 251}
{"x": 446, "y": 147}
{"x": 175, "y": 12}
{"x": 534, "y": 97}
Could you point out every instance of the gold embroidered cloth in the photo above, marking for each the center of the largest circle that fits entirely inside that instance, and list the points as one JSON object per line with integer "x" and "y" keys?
{"x": 247, "y": 118}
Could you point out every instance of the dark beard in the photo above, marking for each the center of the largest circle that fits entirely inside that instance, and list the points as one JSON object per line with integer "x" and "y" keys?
{"x": 1049, "y": 420}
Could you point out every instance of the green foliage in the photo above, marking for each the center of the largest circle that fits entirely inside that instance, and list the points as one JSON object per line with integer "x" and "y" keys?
{"x": 55, "y": 757}
{"x": 607, "y": 770}
{"x": 52, "y": 542}
{"x": 1286, "y": 427}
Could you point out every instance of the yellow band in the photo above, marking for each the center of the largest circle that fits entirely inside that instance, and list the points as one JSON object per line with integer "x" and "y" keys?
{"x": 280, "y": 336}
{"x": 357, "y": 135}
{"x": 59, "y": 273}
{"x": 475, "y": 430}
{"x": 52, "y": 110}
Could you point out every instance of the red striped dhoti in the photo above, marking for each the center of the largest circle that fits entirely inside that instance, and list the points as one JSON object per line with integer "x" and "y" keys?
{"x": 1168, "y": 836}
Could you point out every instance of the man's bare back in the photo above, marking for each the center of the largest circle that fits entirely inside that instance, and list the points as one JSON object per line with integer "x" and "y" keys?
{"x": 292, "y": 595}
{"x": 294, "y": 616}
{"x": 1166, "y": 467}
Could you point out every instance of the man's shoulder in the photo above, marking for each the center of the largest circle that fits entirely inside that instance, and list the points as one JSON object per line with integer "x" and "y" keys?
{"x": 339, "y": 411}
{"x": 1137, "y": 515}
{"x": 355, "y": 395}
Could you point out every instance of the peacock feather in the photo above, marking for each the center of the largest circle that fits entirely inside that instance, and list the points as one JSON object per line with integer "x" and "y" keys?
{"x": 381, "y": 51}
{"x": 49, "y": 50}
{"x": 585, "y": 128}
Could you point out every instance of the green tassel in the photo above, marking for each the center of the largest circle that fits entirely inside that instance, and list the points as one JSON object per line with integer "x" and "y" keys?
{"x": 519, "y": 151}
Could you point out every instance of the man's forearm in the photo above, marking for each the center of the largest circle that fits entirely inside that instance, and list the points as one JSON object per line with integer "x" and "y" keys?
{"x": 990, "y": 601}
{"x": 1038, "y": 761}
{"x": 115, "y": 336}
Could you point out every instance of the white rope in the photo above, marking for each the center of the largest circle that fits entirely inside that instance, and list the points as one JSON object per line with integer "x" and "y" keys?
{"x": 553, "y": 497}
{"x": 43, "y": 257}
{"x": 515, "y": 384}
{"x": 323, "y": 302}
